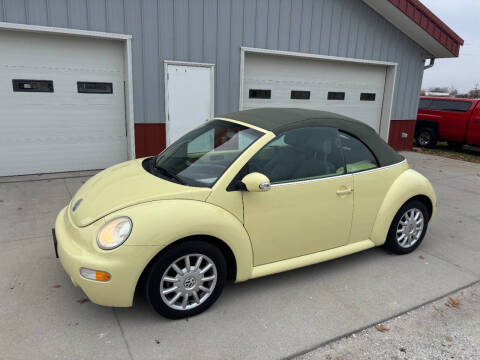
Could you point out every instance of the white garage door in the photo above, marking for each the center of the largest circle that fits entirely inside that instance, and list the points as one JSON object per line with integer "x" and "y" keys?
{"x": 62, "y": 104}
{"x": 351, "y": 89}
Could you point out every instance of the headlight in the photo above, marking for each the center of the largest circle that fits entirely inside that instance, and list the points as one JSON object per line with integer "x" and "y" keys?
{"x": 114, "y": 233}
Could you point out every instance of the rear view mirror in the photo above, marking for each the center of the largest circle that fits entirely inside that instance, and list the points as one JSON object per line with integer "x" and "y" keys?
{"x": 256, "y": 182}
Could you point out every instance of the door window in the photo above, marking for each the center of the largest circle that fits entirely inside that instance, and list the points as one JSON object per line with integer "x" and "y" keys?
{"x": 357, "y": 156}
{"x": 300, "y": 154}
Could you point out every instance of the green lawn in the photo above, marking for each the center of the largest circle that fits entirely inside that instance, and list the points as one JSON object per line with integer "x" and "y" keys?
{"x": 467, "y": 153}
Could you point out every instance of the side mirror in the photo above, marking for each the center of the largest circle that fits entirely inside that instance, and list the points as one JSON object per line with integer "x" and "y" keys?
{"x": 256, "y": 182}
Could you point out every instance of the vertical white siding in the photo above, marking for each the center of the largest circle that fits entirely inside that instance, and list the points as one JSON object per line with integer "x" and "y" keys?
{"x": 214, "y": 30}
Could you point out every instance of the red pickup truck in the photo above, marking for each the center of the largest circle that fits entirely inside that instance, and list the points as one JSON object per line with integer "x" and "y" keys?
{"x": 455, "y": 120}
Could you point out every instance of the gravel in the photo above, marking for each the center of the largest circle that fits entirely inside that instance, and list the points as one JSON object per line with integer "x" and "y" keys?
{"x": 448, "y": 328}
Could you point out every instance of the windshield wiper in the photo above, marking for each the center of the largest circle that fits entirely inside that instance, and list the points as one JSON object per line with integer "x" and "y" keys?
{"x": 170, "y": 174}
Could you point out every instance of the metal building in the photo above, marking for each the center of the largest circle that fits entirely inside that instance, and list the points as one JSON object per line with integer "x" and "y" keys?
{"x": 88, "y": 83}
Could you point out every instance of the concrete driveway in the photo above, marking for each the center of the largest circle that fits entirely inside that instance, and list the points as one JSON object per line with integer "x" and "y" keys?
{"x": 268, "y": 318}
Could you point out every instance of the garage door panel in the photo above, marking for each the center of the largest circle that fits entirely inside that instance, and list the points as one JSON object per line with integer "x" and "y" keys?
{"x": 63, "y": 130}
{"x": 83, "y": 156}
{"x": 282, "y": 74}
{"x": 80, "y": 52}
{"x": 65, "y": 90}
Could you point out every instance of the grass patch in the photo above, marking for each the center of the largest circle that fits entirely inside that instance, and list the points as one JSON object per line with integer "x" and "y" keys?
{"x": 467, "y": 153}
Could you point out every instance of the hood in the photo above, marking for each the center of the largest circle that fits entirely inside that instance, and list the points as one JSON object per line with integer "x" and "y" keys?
{"x": 124, "y": 185}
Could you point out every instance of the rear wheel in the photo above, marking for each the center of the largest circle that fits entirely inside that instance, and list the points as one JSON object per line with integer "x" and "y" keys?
{"x": 408, "y": 228}
{"x": 186, "y": 280}
{"x": 426, "y": 137}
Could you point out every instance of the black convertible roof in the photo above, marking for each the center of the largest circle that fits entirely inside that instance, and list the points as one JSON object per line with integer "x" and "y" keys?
{"x": 279, "y": 120}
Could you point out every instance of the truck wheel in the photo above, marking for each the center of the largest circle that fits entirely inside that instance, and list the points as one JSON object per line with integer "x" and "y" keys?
{"x": 426, "y": 137}
{"x": 186, "y": 279}
{"x": 455, "y": 145}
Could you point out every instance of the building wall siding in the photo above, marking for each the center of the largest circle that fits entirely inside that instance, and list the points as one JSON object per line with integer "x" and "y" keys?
{"x": 213, "y": 31}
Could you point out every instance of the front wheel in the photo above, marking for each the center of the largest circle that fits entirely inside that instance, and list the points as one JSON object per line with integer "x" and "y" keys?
{"x": 408, "y": 228}
{"x": 186, "y": 280}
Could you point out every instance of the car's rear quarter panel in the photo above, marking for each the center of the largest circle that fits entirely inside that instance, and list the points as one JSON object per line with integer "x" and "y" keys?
{"x": 406, "y": 186}
{"x": 370, "y": 189}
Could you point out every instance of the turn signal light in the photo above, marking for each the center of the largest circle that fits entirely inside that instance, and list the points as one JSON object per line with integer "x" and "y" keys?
{"x": 95, "y": 274}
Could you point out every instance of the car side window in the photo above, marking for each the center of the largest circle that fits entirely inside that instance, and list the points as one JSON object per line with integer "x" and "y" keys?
{"x": 357, "y": 156}
{"x": 300, "y": 154}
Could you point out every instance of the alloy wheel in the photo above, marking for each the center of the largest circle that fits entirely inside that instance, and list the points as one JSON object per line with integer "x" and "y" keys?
{"x": 188, "y": 282}
{"x": 410, "y": 228}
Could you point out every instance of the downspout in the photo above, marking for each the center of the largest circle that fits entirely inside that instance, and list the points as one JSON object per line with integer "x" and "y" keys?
{"x": 432, "y": 62}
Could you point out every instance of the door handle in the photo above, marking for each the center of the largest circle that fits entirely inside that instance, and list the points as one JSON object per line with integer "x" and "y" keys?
{"x": 344, "y": 192}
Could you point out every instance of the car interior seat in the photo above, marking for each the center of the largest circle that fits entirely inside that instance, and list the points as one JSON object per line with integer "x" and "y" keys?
{"x": 286, "y": 161}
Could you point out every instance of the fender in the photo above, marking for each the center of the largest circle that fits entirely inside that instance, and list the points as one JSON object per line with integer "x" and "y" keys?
{"x": 409, "y": 184}
{"x": 177, "y": 219}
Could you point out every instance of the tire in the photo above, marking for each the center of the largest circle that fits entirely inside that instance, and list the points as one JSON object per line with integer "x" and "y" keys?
{"x": 189, "y": 284}
{"x": 455, "y": 145}
{"x": 426, "y": 137}
{"x": 411, "y": 240}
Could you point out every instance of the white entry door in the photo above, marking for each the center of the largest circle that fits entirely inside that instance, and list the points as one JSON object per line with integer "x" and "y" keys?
{"x": 189, "y": 97}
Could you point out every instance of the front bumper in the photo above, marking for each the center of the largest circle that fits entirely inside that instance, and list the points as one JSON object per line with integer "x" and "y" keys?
{"x": 77, "y": 248}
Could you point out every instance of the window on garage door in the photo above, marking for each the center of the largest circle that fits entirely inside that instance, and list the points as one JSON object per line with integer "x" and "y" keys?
{"x": 300, "y": 95}
{"x": 259, "y": 93}
{"x": 89, "y": 87}
{"x": 367, "y": 96}
{"x": 336, "y": 95}
{"x": 24, "y": 85}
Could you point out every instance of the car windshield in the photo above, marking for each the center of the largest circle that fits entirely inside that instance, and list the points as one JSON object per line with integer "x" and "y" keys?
{"x": 201, "y": 156}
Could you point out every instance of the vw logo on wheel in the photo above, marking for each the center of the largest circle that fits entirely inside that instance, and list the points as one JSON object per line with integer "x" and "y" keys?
{"x": 189, "y": 282}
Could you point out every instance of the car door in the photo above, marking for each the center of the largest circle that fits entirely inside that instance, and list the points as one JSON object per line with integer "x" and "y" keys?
{"x": 453, "y": 118}
{"x": 372, "y": 183}
{"x": 309, "y": 206}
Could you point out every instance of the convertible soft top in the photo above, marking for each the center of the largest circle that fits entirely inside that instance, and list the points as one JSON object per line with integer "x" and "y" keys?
{"x": 279, "y": 120}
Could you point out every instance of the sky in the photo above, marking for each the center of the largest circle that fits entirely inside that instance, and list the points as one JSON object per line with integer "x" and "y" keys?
{"x": 463, "y": 17}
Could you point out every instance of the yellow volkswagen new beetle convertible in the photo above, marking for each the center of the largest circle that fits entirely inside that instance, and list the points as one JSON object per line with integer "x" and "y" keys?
{"x": 246, "y": 195}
